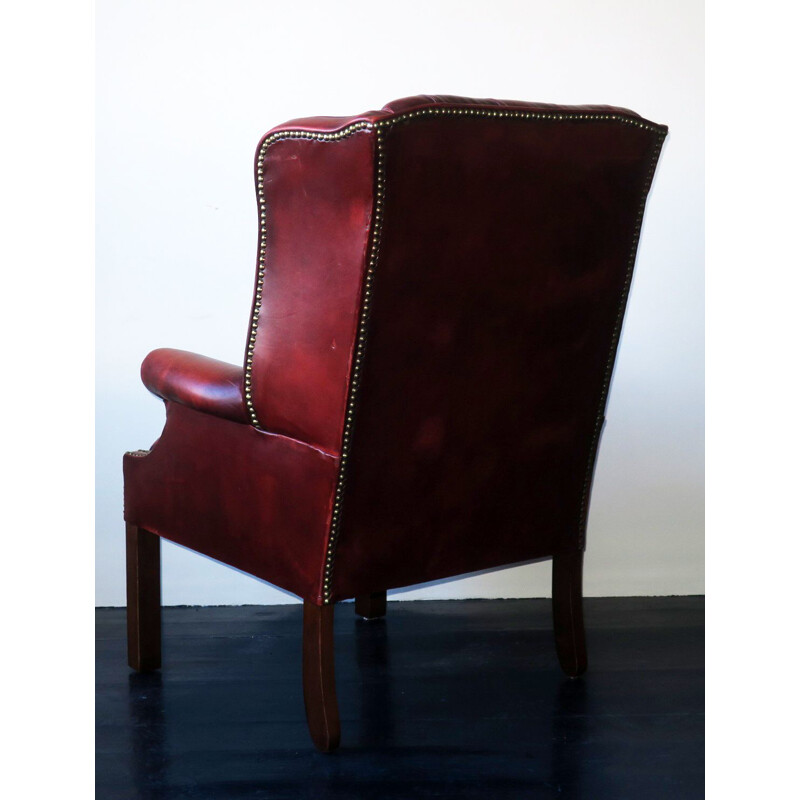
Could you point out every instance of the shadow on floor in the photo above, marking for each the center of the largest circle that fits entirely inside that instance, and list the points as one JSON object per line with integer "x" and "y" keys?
{"x": 444, "y": 699}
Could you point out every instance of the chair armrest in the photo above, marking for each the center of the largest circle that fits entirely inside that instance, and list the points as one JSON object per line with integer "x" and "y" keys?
{"x": 201, "y": 383}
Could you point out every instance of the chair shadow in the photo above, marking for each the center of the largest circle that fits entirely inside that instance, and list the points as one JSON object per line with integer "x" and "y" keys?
{"x": 558, "y": 770}
{"x": 566, "y": 726}
{"x": 569, "y": 723}
{"x": 149, "y": 761}
{"x": 376, "y": 720}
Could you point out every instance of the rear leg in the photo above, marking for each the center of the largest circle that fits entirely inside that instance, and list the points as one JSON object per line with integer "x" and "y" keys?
{"x": 568, "y": 612}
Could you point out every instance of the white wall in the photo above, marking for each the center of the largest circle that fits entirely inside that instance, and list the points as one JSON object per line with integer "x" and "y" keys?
{"x": 185, "y": 90}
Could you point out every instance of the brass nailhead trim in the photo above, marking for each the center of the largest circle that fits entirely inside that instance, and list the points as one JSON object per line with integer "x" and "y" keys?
{"x": 138, "y": 453}
{"x": 598, "y": 425}
{"x": 355, "y": 378}
{"x": 262, "y": 241}
{"x": 514, "y": 114}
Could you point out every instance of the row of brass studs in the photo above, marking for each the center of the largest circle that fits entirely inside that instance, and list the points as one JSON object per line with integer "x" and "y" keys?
{"x": 598, "y": 426}
{"x": 538, "y": 115}
{"x": 138, "y": 453}
{"x": 355, "y": 378}
{"x": 262, "y": 241}
{"x": 375, "y": 238}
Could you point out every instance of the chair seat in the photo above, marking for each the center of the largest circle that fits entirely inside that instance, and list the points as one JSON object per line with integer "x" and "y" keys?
{"x": 196, "y": 381}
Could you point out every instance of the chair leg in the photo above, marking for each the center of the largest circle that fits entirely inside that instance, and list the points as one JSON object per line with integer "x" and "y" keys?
{"x": 568, "y": 612}
{"x": 319, "y": 683}
{"x": 143, "y": 552}
{"x": 371, "y": 606}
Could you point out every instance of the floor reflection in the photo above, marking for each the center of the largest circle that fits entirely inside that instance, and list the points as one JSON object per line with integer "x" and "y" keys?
{"x": 376, "y": 718}
{"x": 569, "y": 718}
{"x": 458, "y": 701}
{"x": 147, "y": 730}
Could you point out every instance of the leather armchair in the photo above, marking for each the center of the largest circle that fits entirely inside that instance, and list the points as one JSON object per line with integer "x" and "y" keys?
{"x": 440, "y": 287}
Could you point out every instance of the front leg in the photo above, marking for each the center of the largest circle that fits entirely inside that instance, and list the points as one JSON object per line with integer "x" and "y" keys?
{"x": 319, "y": 683}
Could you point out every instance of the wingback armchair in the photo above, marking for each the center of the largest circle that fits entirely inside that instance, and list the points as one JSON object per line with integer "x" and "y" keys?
{"x": 439, "y": 292}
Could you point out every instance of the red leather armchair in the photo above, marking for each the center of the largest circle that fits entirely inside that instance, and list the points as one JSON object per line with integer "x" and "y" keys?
{"x": 439, "y": 294}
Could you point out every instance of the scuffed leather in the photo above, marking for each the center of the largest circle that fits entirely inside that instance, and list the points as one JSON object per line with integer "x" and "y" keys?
{"x": 502, "y": 271}
{"x": 196, "y": 381}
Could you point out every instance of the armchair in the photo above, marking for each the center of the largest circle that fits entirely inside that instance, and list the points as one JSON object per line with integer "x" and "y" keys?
{"x": 439, "y": 293}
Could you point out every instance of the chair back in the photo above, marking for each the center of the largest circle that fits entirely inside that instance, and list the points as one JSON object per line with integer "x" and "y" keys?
{"x": 502, "y": 249}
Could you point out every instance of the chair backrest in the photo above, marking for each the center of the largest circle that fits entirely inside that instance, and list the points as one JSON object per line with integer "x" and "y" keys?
{"x": 443, "y": 290}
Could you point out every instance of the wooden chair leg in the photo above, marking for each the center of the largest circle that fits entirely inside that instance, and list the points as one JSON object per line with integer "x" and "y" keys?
{"x": 371, "y": 606}
{"x": 568, "y": 612}
{"x": 143, "y": 552}
{"x": 319, "y": 683}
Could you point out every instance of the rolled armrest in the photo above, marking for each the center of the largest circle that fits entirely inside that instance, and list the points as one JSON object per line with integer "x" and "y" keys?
{"x": 204, "y": 384}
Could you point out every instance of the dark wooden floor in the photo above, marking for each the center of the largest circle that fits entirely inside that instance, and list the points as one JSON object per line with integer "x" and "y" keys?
{"x": 452, "y": 699}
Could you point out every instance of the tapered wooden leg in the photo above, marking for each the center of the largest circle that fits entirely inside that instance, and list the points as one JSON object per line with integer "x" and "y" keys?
{"x": 568, "y": 612}
{"x": 143, "y": 551}
{"x": 319, "y": 683}
{"x": 371, "y": 606}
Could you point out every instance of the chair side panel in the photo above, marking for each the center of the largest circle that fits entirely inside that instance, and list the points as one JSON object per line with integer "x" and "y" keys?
{"x": 259, "y": 502}
{"x": 504, "y": 264}
{"x": 315, "y": 201}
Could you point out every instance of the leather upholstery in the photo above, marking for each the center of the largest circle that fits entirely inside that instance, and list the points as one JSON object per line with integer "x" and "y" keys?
{"x": 503, "y": 246}
{"x": 418, "y": 102}
{"x": 198, "y": 382}
{"x": 256, "y": 501}
{"x": 319, "y": 205}
{"x": 504, "y": 254}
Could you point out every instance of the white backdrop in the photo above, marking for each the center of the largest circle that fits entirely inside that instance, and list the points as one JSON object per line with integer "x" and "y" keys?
{"x": 185, "y": 90}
